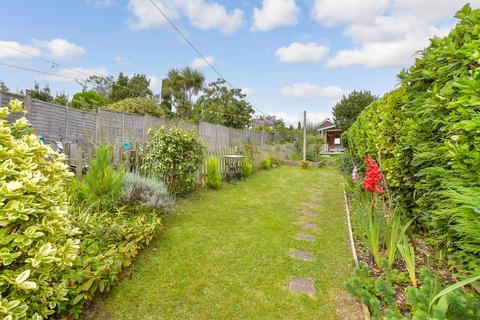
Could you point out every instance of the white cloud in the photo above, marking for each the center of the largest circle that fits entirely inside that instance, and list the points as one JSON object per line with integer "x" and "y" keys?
{"x": 61, "y": 49}
{"x": 155, "y": 84}
{"x": 386, "y": 32}
{"x": 7, "y": 53}
{"x": 101, "y": 3}
{"x": 275, "y": 13}
{"x": 202, "y": 14}
{"x": 201, "y": 63}
{"x": 332, "y": 12}
{"x": 308, "y": 90}
{"x": 387, "y": 41}
{"x": 248, "y": 92}
{"x": 313, "y": 117}
{"x": 122, "y": 61}
{"x": 211, "y": 15}
{"x": 302, "y": 53}
{"x": 431, "y": 9}
{"x": 146, "y": 16}
{"x": 77, "y": 73}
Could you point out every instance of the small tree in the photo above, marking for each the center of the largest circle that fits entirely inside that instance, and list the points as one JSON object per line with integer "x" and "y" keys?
{"x": 222, "y": 105}
{"x": 138, "y": 86}
{"x": 174, "y": 156}
{"x": 3, "y": 87}
{"x": 214, "y": 178}
{"x": 87, "y": 100}
{"x": 347, "y": 110}
{"x": 44, "y": 94}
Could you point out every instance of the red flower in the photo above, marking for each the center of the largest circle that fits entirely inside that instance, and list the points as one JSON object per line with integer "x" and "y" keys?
{"x": 373, "y": 178}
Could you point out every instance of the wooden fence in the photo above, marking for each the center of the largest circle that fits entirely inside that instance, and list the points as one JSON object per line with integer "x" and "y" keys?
{"x": 59, "y": 125}
{"x": 132, "y": 159}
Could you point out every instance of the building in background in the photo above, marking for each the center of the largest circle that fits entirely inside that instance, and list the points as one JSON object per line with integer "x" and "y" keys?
{"x": 331, "y": 134}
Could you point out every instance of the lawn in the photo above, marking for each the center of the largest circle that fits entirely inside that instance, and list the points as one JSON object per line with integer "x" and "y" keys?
{"x": 226, "y": 255}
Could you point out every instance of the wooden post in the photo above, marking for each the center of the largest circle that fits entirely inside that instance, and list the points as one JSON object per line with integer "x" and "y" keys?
{"x": 79, "y": 166}
{"x": 137, "y": 158}
{"x": 67, "y": 150}
{"x": 304, "y": 135}
{"x": 28, "y": 105}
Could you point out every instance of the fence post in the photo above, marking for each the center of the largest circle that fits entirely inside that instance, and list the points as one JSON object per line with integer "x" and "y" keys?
{"x": 28, "y": 106}
{"x": 79, "y": 166}
{"x": 66, "y": 150}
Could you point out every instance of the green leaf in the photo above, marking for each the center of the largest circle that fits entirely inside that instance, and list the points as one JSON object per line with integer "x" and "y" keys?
{"x": 453, "y": 287}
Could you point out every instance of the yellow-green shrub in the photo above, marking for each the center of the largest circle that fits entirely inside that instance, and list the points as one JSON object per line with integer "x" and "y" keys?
{"x": 265, "y": 163}
{"x": 37, "y": 241}
{"x": 214, "y": 178}
{"x": 246, "y": 167}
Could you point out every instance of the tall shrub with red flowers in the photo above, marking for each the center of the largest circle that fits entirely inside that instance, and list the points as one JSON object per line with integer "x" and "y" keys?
{"x": 373, "y": 178}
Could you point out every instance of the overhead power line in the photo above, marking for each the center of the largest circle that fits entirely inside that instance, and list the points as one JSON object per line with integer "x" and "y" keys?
{"x": 56, "y": 64}
{"x": 195, "y": 48}
{"x": 38, "y": 71}
{"x": 76, "y": 79}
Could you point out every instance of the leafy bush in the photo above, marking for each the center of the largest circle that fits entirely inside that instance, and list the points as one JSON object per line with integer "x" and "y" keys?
{"x": 110, "y": 241}
{"x": 426, "y": 137}
{"x": 246, "y": 167}
{"x": 137, "y": 105}
{"x": 304, "y": 164}
{"x": 214, "y": 178}
{"x": 265, "y": 164}
{"x": 275, "y": 161}
{"x": 101, "y": 185}
{"x": 37, "y": 241}
{"x": 89, "y": 100}
{"x": 150, "y": 193}
{"x": 174, "y": 156}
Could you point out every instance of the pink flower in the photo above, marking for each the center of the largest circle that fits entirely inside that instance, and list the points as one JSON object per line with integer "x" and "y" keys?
{"x": 354, "y": 173}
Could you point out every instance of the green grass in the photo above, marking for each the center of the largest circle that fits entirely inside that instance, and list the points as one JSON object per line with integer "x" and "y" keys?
{"x": 225, "y": 255}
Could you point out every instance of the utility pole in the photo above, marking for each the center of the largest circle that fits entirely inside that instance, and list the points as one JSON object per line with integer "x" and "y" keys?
{"x": 304, "y": 135}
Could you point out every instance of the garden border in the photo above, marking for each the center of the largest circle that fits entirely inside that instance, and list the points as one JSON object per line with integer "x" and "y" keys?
{"x": 366, "y": 313}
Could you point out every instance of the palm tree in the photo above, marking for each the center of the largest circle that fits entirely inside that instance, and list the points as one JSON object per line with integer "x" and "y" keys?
{"x": 179, "y": 88}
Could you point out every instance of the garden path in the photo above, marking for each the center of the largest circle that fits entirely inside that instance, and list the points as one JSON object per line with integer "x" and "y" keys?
{"x": 241, "y": 253}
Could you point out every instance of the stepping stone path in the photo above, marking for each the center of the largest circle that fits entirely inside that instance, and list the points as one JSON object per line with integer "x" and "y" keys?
{"x": 310, "y": 214}
{"x": 306, "y": 237}
{"x": 302, "y": 285}
{"x": 298, "y": 284}
{"x": 312, "y": 205}
{"x": 308, "y": 225}
{"x": 302, "y": 255}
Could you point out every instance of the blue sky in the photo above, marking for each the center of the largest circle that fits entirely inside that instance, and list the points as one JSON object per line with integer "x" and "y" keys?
{"x": 288, "y": 55}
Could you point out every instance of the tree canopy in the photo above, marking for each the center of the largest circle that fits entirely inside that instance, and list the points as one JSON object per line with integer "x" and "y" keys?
{"x": 222, "y": 105}
{"x": 137, "y": 105}
{"x": 138, "y": 86}
{"x": 347, "y": 110}
{"x": 87, "y": 100}
{"x": 45, "y": 94}
{"x": 178, "y": 90}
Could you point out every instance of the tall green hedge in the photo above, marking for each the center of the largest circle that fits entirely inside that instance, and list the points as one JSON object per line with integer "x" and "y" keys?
{"x": 426, "y": 134}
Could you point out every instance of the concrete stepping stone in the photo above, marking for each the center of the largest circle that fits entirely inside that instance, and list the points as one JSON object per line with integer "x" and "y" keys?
{"x": 302, "y": 285}
{"x": 311, "y": 205}
{"x": 310, "y": 214}
{"x": 306, "y": 237}
{"x": 308, "y": 225}
{"x": 302, "y": 255}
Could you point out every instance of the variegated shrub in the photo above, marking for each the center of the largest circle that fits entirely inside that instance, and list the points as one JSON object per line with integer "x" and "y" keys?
{"x": 37, "y": 241}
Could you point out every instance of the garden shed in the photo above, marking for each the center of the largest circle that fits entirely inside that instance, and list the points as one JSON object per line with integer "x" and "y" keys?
{"x": 331, "y": 134}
